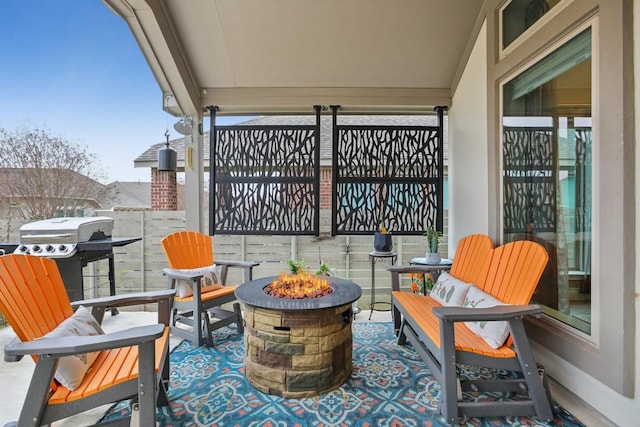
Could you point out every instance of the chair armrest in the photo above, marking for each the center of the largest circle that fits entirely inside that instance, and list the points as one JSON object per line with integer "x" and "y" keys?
{"x": 247, "y": 266}
{"x": 163, "y": 298}
{"x": 499, "y": 312}
{"x": 242, "y": 264}
{"x": 124, "y": 300}
{"x": 84, "y": 344}
{"x": 7, "y": 358}
{"x": 181, "y": 274}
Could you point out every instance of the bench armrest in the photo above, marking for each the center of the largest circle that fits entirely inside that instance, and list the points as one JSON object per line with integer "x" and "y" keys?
{"x": 416, "y": 268}
{"x": 84, "y": 344}
{"x": 499, "y": 312}
{"x": 398, "y": 269}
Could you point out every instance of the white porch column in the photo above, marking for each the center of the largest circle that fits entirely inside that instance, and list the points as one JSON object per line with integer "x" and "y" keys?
{"x": 194, "y": 177}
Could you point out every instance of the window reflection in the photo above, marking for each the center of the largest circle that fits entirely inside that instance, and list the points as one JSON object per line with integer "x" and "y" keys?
{"x": 547, "y": 146}
{"x": 519, "y": 15}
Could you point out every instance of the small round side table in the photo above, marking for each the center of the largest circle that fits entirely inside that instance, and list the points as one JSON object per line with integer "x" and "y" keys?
{"x": 375, "y": 257}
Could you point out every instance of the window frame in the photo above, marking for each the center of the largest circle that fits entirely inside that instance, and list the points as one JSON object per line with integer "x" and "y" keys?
{"x": 547, "y": 318}
{"x": 535, "y": 27}
{"x": 612, "y": 341}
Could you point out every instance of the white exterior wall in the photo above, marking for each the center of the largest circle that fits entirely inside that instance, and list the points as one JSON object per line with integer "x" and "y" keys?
{"x": 621, "y": 410}
{"x": 469, "y": 207}
{"x": 468, "y": 149}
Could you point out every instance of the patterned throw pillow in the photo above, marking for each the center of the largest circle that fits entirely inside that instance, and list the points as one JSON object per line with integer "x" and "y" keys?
{"x": 210, "y": 281}
{"x": 72, "y": 369}
{"x": 493, "y": 332}
{"x": 448, "y": 290}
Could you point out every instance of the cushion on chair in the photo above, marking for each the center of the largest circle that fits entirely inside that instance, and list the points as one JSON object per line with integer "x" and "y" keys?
{"x": 71, "y": 369}
{"x": 493, "y": 332}
{"x": 448, "y": 290}
{"x": 209, "y": 281}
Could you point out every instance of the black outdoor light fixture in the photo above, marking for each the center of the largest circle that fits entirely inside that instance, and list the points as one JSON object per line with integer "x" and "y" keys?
{"x": 167, "y": 157}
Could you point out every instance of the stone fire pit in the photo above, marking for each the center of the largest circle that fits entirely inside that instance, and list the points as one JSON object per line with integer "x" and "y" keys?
{"x": 297, "y": 347}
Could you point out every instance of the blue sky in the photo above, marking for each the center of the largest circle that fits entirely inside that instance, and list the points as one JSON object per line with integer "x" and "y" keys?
{"x": 73, "y": 68}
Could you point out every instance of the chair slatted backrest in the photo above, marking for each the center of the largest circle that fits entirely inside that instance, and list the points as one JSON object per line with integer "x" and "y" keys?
{"x": 188, "y": 249}
{"x": 472, "y": 255}
{"x": 514, "y": 271}
{"x": 33, "y": 298}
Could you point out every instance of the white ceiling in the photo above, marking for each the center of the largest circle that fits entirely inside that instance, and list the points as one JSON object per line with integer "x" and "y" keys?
{"x": 278, "y": 56}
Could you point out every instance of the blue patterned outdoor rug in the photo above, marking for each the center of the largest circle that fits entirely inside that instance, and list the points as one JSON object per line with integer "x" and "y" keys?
{"x": 389, "y": 386}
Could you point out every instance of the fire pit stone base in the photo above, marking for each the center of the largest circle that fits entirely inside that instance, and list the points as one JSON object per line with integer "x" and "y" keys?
{"x": 298, "y": 353}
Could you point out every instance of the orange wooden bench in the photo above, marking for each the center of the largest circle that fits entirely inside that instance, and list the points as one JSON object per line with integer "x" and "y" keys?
{"x": 443, "y": 338}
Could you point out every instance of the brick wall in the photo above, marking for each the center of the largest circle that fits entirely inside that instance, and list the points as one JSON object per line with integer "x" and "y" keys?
{"x": 164, "y": 190}
{"x": 325, "y": 188}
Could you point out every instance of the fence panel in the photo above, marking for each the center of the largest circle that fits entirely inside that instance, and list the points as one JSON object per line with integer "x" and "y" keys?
{"x": 138, "y": 266}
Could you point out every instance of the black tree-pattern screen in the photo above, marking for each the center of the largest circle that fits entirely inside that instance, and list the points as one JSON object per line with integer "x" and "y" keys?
{"x": 389, "y": 176}
{"x": 529, "y": 168}
{"x": 583, "y": 179}
{"x": 265, "y": 180}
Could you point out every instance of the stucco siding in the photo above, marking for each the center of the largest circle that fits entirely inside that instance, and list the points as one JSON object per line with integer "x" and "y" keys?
{"x": 468, "y": 149}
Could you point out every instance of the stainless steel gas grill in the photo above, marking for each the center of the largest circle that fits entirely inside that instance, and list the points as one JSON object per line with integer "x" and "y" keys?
{"x": 73, "y": 243}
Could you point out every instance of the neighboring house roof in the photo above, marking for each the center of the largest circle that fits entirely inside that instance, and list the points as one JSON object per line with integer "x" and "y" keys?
{"x": 150, "y": 157}
{"x": 13, "y": 182}
{"x": 114, "y": 195}
{"x": 127, "y": 195}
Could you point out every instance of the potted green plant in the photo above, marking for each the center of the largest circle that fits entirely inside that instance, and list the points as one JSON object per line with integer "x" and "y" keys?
{"x": 296, "y": 267}
{"x": 325, "y": 270}
{"x": 299, "y": 266}
{"x": 433, "y": 237}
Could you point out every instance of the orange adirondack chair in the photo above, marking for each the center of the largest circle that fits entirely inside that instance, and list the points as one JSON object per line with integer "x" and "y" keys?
{"x": 197, "y": 313}
{"x": 34, "y": 301}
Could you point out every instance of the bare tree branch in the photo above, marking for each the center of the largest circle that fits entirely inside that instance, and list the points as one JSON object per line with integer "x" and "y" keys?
{"x": 42, "y": 174}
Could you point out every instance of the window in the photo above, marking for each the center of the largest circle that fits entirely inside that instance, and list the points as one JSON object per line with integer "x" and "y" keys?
{"x": 546, "y": 173}
{"x": 519, "y": 15}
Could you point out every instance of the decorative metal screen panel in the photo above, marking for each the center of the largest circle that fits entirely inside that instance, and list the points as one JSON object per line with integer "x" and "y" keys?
{"x": 391, "y": 176}
{"x": 265, "y": 179}
{"x": 583, "y": 179}
{"x": 529, "y": 168}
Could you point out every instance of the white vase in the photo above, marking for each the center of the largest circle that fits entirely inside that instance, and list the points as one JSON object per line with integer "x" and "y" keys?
{"x": 433, "y": 258}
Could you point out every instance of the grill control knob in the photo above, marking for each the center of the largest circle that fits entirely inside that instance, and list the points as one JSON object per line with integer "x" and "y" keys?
{"x": 24, "y": 249}
{"x": 36, "y": 248}
{"x": 49, "y": 248}
{"x": 62, "y": 248}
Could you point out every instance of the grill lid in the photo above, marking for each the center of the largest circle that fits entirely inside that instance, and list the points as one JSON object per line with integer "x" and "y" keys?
{"x": 58, "y": 237}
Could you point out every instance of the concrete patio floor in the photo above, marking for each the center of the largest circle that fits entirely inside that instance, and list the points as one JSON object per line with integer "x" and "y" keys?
{"x": 15, "y": 377}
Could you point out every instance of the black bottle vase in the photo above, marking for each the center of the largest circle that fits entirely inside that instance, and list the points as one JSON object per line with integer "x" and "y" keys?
{"x": 382, "y": 242}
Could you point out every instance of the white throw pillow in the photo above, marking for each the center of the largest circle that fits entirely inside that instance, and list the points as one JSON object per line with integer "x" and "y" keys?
{"x": 493, "y": 332}
{"x": 448, "y": 290}
{"x": 210, "y": 281}
{"x": 71, "y": 369}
